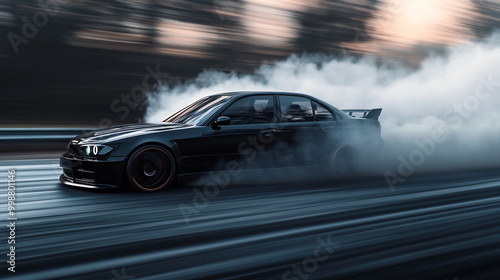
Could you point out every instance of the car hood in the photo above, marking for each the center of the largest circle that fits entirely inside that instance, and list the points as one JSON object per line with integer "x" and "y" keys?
{"x": 117, "y": 133}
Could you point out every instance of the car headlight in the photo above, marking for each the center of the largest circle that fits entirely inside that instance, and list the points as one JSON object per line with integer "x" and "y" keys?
{"x": 94, "y": 150}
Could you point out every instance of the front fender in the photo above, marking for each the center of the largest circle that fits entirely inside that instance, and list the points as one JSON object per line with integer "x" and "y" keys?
{"x": 167, "y": 139}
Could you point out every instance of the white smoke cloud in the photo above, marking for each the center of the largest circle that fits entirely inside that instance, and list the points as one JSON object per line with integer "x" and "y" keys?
{"x": 456, "y": 94}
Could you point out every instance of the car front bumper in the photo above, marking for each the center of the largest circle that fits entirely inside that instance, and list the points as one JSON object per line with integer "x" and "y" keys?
{"x": 86, "y": 173}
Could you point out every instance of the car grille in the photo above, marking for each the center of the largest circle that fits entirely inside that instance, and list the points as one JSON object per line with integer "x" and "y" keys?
{"x": 79, "y": 175}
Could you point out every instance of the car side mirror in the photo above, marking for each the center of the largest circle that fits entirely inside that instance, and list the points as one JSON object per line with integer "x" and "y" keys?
{"x": 222, "y": 120}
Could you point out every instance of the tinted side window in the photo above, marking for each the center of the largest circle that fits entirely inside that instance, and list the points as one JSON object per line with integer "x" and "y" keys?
{"x": 321, "y": 113}
{"x": 296, "y": 109}
{"x": 251, "y": 110}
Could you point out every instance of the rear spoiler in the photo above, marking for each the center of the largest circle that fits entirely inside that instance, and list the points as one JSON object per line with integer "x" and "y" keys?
{"x": 362, "y": 113}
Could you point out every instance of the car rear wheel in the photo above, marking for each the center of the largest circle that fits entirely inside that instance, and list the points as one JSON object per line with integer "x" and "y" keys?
{"x": 151, "y": 168}
{"x": 343, "y": 161}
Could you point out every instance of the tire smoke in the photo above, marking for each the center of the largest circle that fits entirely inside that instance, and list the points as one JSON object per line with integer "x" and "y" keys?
{"x": 443, "y": 115}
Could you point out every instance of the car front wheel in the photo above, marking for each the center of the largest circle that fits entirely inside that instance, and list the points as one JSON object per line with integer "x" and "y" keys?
{"x": 151, "y": 168}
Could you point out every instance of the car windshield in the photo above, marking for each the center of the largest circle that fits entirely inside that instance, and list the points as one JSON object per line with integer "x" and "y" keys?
{"x": 197, "y": 112}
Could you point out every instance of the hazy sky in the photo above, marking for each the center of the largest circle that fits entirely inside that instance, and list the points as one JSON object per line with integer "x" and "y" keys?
{"x": 401, "y": 26}
{"x": 398, "y": 27}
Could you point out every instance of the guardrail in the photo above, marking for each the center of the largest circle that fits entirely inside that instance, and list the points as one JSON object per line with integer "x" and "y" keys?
{"x": 28, "y": 140}
{"x": 39, "y": 134}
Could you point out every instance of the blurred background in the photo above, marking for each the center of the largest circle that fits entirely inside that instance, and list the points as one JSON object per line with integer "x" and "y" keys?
{"x": 85, "y": 63}
{"x": 69, "y": 65}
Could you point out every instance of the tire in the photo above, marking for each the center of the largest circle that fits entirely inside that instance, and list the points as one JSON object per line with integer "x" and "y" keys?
{"x": 344, "y": 161}
{"x": 151, "y": 168}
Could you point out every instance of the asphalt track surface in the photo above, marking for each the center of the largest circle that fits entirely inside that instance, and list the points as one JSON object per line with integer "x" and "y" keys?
{"x": 441, "y": 226}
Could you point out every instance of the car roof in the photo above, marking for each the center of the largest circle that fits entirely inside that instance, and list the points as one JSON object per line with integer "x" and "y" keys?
{"x": 245, "y": 93}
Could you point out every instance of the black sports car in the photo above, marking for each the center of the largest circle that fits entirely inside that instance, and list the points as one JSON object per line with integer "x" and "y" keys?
{"x": 228, "y": 132}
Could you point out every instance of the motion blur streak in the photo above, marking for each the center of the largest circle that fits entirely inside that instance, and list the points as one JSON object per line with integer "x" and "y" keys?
{"x": 456, "y": 93}
{"x": 72, "y": 59}
{"x": 434, "y": 227}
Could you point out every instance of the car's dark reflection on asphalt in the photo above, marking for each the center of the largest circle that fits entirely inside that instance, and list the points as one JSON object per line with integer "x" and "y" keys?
{"x": 253, "y": 130}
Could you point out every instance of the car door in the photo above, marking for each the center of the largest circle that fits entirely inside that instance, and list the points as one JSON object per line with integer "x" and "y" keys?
{"x": 304, "y": 129}
{"x": 246, "y": 139}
